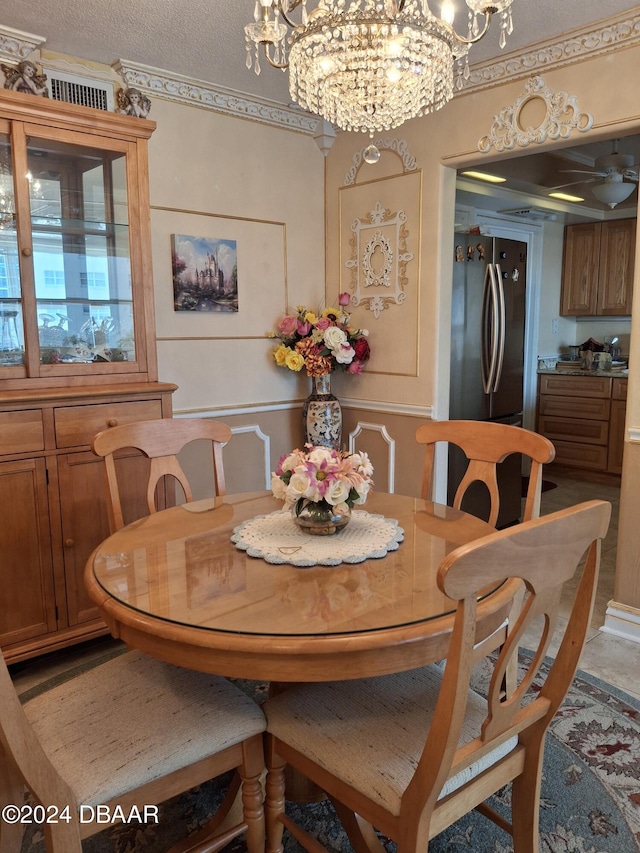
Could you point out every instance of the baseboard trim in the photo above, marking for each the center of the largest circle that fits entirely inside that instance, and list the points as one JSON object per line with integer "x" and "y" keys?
{"x": 622, "y": 621}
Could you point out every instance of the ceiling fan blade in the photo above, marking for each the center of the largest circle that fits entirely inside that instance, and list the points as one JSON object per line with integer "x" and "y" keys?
{"x": 583, "y": 172}
{"x": 572, "y": 184}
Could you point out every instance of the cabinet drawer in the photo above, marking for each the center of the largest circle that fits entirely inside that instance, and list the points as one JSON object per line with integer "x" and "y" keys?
{"x": 581, "y": 455}
{"x": 77, "y": 425}
{"x": 575, "y": 386}
{"x": 21, "y": 432}
{"x": 576, "y": 429}
{"x": 619, "y": 389}
{"x": 596, "y": 408}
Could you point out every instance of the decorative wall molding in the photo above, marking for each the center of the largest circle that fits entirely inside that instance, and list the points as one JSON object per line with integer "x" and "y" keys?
{"x": 266, "y": 443}
{"x": 584, "y": 43}
{"x": 228, "y": 411}
{"x": 391, "y": 448}
{"x": 409, "y": 410}
{"x": 174, "y": 87}
{"x": 397, "y": 146}
{"x": 379, "y": 259}
{"x": 16, "y": 46}
{"x": 562, "y": 115}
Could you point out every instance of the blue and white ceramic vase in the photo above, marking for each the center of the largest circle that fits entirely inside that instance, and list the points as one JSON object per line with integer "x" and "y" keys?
{"x": 322, "y": 415}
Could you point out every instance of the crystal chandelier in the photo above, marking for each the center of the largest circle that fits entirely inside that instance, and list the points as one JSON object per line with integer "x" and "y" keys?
{"x": 369, "y": 65}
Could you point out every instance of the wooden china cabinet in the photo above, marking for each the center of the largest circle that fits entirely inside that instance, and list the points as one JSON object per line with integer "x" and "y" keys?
{"x": 77, "y": 351}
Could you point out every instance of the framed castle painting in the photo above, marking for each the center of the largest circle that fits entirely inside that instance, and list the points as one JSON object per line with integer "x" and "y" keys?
{"x": 205, "y": 274}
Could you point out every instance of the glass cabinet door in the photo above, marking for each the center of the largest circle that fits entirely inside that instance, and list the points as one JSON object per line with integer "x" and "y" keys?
{"x": 11, "y": 321}
{"x": 81, "y": 258}
{"x": 67, "y": 280}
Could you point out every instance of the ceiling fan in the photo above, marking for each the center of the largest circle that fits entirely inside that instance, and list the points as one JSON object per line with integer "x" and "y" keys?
{"x": 614, "y": 176}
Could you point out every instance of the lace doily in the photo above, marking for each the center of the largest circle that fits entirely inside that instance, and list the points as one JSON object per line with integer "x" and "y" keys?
{"x": 276, "y": 538}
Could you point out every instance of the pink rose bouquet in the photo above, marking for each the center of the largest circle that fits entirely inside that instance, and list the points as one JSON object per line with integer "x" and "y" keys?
{"x": 321, "y": 343}
{"x": 331, "y": 478}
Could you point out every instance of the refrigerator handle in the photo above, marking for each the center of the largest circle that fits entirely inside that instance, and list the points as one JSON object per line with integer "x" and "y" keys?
{"x": 488, "y": 332}
{"x": 501, "y": 328}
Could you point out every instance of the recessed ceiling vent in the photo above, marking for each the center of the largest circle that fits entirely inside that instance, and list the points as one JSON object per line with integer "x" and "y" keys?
{"x": 530, "y": 213}
{"x": 85, "y": 91}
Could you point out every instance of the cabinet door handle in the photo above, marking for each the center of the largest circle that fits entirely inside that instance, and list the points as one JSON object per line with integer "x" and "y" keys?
{"x": 69, "y": 543}
{"x": 112, "y": 422}
{"x": 27, "y": 251}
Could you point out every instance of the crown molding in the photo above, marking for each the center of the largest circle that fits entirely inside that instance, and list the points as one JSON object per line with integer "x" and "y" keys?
{"x": 16, "y": 45}
{"x": 174, "y": 87}
{"x": 570, "y": 48}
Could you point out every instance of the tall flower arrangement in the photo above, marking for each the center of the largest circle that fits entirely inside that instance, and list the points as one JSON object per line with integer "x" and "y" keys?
{"x": 321, "y": 475}
{"x": 321, "y": 343}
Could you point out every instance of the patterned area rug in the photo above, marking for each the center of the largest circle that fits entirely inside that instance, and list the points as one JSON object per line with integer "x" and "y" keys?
{"x": 590, "y": 792}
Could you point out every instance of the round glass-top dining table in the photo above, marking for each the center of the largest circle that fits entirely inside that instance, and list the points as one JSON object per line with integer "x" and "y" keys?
{"x": 176, "y": 586}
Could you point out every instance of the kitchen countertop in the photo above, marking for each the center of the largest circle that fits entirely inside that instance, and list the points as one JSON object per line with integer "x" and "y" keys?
{"x": 578, "y": 371}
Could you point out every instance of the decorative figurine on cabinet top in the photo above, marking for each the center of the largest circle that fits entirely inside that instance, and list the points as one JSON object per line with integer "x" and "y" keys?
{"x": 132, "y": 102}
{"x": 25, "y": 78}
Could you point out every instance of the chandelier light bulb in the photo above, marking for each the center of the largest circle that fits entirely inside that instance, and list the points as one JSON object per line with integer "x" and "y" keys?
{"x": 447, "y": 12}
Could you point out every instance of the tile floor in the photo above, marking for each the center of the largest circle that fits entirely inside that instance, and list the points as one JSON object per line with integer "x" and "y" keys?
{"x": 614, "y": 660}
{"x": 610, "y": 658}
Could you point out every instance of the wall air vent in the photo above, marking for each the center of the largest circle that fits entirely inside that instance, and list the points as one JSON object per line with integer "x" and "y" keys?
{"x": 531, "y": 213}
{"x": 74, "y": 89}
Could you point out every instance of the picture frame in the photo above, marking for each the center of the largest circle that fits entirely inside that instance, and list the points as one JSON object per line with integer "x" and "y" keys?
{"x": 204, "y": 274}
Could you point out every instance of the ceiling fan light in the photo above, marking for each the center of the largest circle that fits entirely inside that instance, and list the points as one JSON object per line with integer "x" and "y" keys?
{"x": 612, "y": 193}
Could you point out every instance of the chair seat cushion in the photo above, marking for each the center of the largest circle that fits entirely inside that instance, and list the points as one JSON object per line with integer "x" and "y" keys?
{"x": 370, "y": 733}
{"x": 135, "y": 719}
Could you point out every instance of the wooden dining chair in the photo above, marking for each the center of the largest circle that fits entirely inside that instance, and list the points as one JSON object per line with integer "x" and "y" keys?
{"x": 485, "y": 445}
{"x": 131, "y": 732}
{"x": 161, "y": 441}
{"x": 412, "y": 753}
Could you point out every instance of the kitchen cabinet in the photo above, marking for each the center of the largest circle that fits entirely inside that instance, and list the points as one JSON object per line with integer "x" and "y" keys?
{"x": 584, "y": 417}
{"x": 616, "y": 426}
{"x": 77, "y": 352}
{"x": 597, "y": 274}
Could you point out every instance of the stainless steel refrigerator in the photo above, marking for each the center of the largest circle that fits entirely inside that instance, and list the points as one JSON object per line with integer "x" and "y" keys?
{"x": 487, "y": 356}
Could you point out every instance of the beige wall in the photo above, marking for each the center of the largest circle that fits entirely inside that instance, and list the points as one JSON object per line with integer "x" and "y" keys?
{"x": 440, "y": 143}
{"x": 217, "y": 176}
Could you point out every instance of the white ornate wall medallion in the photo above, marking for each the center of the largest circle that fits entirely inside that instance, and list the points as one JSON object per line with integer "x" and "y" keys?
{"x": 379, "y": 259}
{"x": 561, "y": 116}
{"x": 397, "y": 146}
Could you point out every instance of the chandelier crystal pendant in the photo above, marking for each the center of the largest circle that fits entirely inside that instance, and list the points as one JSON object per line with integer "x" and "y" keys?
{"x": 368, "y": 65}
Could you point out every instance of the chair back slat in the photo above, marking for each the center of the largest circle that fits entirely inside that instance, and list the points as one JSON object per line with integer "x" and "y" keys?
{"x": 545, "y": 553}
{"x": 486, "y": 445}
{"x": 160, "y": 441}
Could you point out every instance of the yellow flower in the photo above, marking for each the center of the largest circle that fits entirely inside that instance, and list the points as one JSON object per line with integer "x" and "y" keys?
{"x": 280, "y": 355}
{"x": 294, "y": 361}
{"x": 329, "y": 310}
{"x": 310, "y": 317}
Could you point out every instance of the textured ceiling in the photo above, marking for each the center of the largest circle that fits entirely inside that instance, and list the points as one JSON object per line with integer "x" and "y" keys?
{"x": 204, "y": 39}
